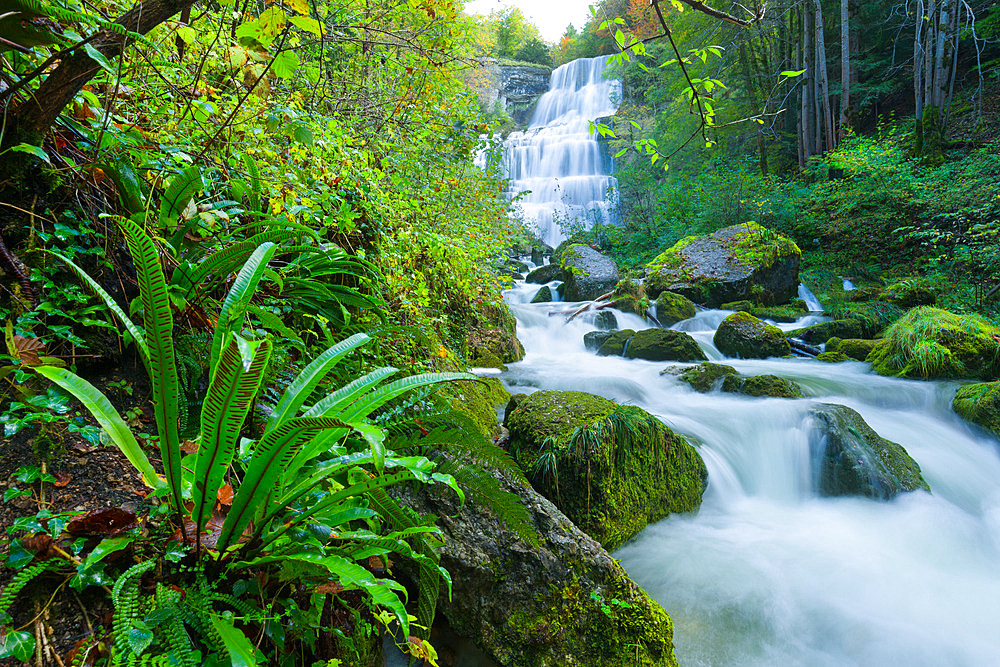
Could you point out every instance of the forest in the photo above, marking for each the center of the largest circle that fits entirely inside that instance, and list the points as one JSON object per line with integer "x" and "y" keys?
{"x": 380, "y": 332}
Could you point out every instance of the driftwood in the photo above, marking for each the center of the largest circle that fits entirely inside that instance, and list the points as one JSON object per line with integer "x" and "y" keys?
{"x": 803, "y": 348}
{"x": 597, "y": 304}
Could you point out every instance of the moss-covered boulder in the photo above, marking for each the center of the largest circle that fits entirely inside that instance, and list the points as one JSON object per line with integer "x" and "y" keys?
{"x": 672, "y": 308}
{"x": 857, "y": 461}
{"x": 605, "y": 320}
{"x": 545, "y": 274}
{"x": 855, "y": 348}
{"x": 832, "y": 357}
{"x": 704, "y": 377}
{"x": 740, "y": 262}
{"x": 872, "y": 316}
{"x": 611, "y": 468}
{"x": 761, "y": 385}
{"x": 786, "y": 313}
{"x": 743, "y": 335}
{"x": 824, "y": 331}
{"x": 587, "y": 273}
{"x": 932, "y": 343}
{"x": 615, "y": 344}
{"x": 479, "y": 400}
{"x": 664, "y": 345}
{"x": 980, "y": 404}
{"x": 909, "y": 293}
{"x": 543, "y": 595}
{"x": 491, "y": 336}
{"x": 593, "y": 340}
{"x": 543, "y": 295}
{"x": 629, "y": 297}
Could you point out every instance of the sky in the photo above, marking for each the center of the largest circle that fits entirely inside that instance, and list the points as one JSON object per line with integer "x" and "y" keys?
{"x": 551, "y": 16}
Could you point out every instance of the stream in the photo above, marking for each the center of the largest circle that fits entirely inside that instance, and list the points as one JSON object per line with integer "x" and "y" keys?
{"x": 767, "y": 572}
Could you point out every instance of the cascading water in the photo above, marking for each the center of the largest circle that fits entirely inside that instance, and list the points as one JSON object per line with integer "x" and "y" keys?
{"x": 770, "y": 573}
{"x": 557, "y": 161}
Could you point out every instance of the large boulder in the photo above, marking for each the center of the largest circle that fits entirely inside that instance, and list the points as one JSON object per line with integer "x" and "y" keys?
{"x": 605, "y": 320}
{"x": 547, "y": 598}
{"x": 980, "y": 404}
{"x": 855, "y": 348}
{"x": 762, "y": 385}
{"x": 588, "y": 273}
{"x": 857, "y": 461}
{"x": 743, "y": 335}
{"x": 630, "y": 297}
{"x": 543, "y": 295}
{"x": 614, "y": 345}
{"x": 790, "y": 312}
{"x": 611, "y": 468}
{"x": 932, "y": 343}
{"x": 740, "y": 262}
{"x": 672, "y": 308}
{"x": 545, "y": 274}
{"x": 593, "y": 340}
{"x": 704, "y": 377}
{"x": 664, "y": 345}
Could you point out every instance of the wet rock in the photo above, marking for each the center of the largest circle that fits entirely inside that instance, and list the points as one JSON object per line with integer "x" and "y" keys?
{"x": 588, "y": 273}
{"x": 855, "y": 348}
{"x": 515, "y": 400}
{"x": 605, "y": 320}
{"x": 614, "y": 346}
{"x": 791, "y": 312}
{"x": 629, "y": 297}
{"x": 980, "y": 404}
{"x": 743, "y": 335}
{"x": 672, "y": 308}
{"x": 704, "y": 377}
{"x": 857, "y": 461}
{"x": 610, "y": 468}
{"x": 542, "y": 599}
{"x": 537, "y": 257}
{"x": 593, "y": 340}
{"x": 762, "y": 385}
{"x": 664, "y": 345}
{"x": 544, "y": 295}
{"x": 823, "y": 331}
{"x": 545, "y": 274}
{"x": 832, "y": 357}
{"x": 740, "y": 262}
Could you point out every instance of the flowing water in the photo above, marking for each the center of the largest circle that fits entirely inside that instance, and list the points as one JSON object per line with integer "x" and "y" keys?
{"x": 556, "y": 164}
{"x": 769, "y": 573}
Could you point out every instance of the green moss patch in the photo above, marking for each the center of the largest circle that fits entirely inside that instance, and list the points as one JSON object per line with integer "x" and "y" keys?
{"x": 743, "y": 335}
{"x": 702, "y": 377}
{"x": 980, "y": 404}
{"x": 762, "y": 385}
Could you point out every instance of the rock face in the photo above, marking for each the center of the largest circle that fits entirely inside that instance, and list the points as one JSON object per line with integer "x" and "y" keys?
{"x": 539, "y": 603}
{"x": 932, "y": 343}
{"x": 545, "y": 274}
{"x": 980, "y": 404}
{"x": 857, "y": 461}
{"x": 762, "y": 385}
{"x": 743, "y": 335}
{"x": 588, "y": 273}
{"x": 544, "y": 295}
{"x": 672, "y": 308}
{"x": 664, "y": 345}
{"x": 605, "y": 320}
{"x": 704, "y": 377}
{"x": 593, "y": 340}
{"x": 610, "y": 468}
{"x": 512, "y": 88}
{"x": 740, "y": 262}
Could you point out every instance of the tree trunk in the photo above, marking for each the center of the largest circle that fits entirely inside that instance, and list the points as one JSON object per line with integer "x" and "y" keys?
{"x": 845, "y": 65}
{"x": 808, "y": 87}
{"x": 38, "y": 112}
{"x": 823, "y": 79}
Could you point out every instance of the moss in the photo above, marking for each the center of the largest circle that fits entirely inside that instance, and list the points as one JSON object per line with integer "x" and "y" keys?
{"x": 871, "y": 316}
{"x": 543, "y": 295}
{"x": 833, "y": 343}
{"x": 629, "y": 297}
{"x": 615, "y": 468}
{"x": 832, "y": 357}
{"x": 762, "y": 385}
{"x": 787, "y": 313}
{"x": 980, "y": 404}
{"x": 822, "y": 332}
{"x": 614, "y": 346}
{"x": 702, "y": 377}
{"x": 909, "y": 293}
{"x": 593, "y": 340}
{"x": 672, "y": 308}
{"x": 663, "y": 345}
{"x": 743, "y": 335}
{"x": 671, "y": 258}
{"x": 932, "y": 343}
{"x": 760, "y": 245}
{"x": 855, "y": 348}
{"x": 480, "y": 400}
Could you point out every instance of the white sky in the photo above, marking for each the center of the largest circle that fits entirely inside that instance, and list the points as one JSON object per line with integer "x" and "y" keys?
{"x": 551, "y": 16}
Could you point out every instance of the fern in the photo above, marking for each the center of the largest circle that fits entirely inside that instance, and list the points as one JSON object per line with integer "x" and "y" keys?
{"x": 22, "y": 579}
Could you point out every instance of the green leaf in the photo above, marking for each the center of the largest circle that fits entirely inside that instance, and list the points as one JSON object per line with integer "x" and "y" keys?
{"x": 285, "y": 64}
{"x": 791, "y": 73}
{"x": 105, "y": 547}
{"x": 139, "y": 639}
{"x": 18, "y": 556}
{"x": 106, "y": 415}
{"x": 33, "y": 150}
{"x": 18, "y": 645}
{"x": 308, "y": 24}
{"x": 98, "y": 57}
{"x": 241, "y": 652}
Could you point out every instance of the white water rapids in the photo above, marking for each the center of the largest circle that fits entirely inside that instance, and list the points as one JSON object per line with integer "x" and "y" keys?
{"x": 556, "y": 162}
{"x": 768, "y": 572}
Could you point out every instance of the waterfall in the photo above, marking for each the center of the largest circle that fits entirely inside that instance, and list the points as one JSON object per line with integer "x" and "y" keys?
{"x": 556, "y": 162}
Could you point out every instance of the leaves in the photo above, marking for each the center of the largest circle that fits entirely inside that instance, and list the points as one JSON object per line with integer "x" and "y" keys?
{"x": 19, "y": 645}
{"x": 102, "y": 523}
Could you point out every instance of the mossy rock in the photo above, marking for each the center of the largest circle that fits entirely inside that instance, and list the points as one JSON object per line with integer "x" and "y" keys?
{"x": 611, "y": 468}
{"x": 761, "y": 385}
{"x": 871, "y": 316}
{"x": 824, "y": 331}
{"x": 543, "y": 295}
{"x": 479, "y": 400}
{"x": 980, "y": 404}
{"x": 932, "y": 343}
{"x": 614, "y": 346}
{"x": 855, "y": 348}
{"x": 743, "y": 335}
{"x": 587, "y": 273}
{"x": 629, "y": 297}
{"x": 909, "y": 293}
{"x": 664, "y": 345}
{"x": 832, "y": 357}
{"x": 492, "y": 335}
{"x": 704, "y": 377}
{"x": 605, "y": 320}
{"x": 673, "y": 308}
{"x": 545, "y": 274}
{"x": 593, "y": 340}
{"x": 786, "y": 313}
{"x": 512, "y": 403}
{"x": 744, "y": 261}
{"x": 857, "y": 461}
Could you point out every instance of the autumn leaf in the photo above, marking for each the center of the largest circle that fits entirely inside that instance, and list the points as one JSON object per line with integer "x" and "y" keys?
{"x": 225, "y": 494}
{"x": 102, "y": 523}
{"x": 62, "y": 479}
{"x": 27, "y": 350}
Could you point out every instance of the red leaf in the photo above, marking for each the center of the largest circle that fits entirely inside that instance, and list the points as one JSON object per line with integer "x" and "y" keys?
{"x": 225, "y": 495}
{"x": 62, "y": 479}
{"x": 102, "y": 523}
